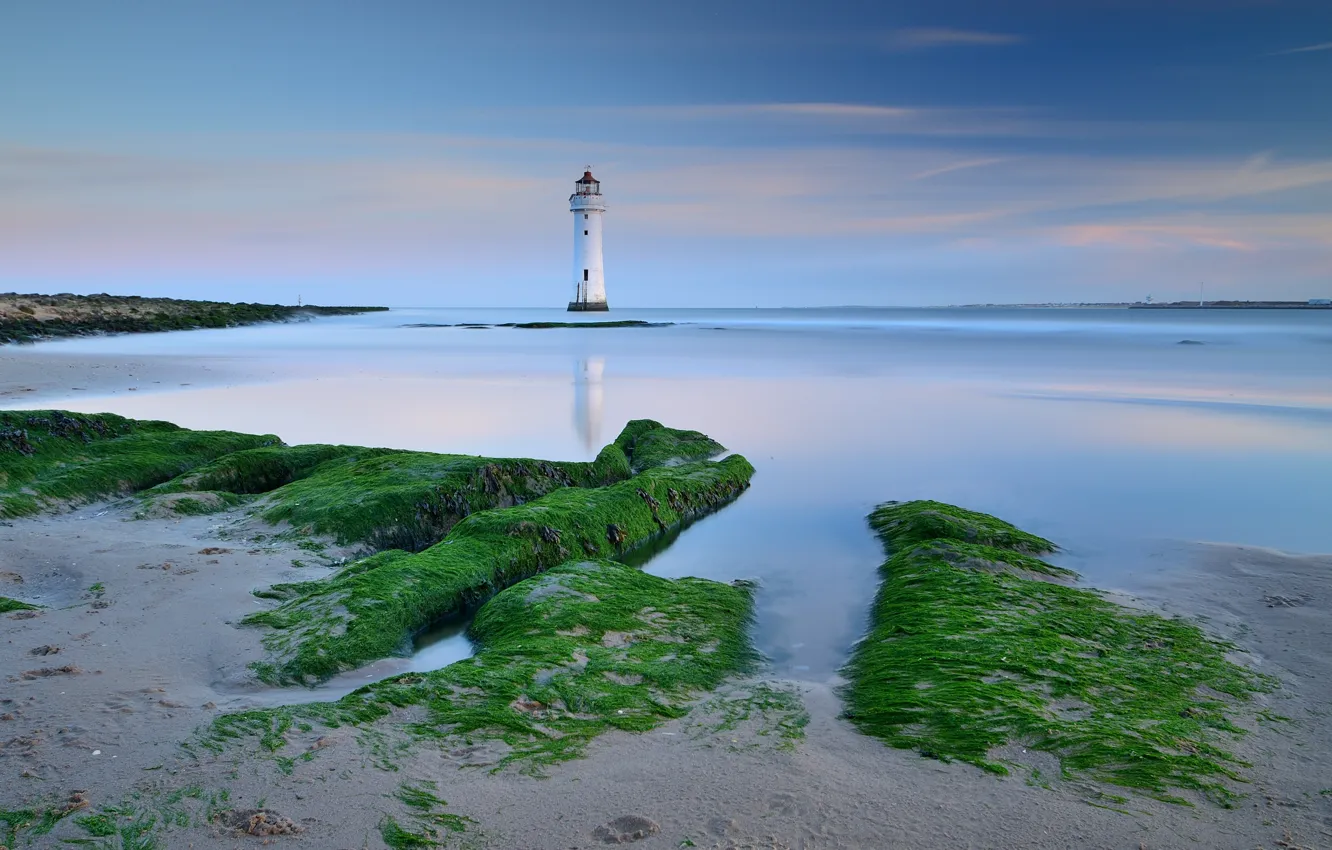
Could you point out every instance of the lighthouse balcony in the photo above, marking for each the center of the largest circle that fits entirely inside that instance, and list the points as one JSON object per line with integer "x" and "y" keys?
{"x": 578, "y": 203}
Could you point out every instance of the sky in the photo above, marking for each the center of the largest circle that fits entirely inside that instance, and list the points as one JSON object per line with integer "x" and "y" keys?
{"x": 765, "y": 153}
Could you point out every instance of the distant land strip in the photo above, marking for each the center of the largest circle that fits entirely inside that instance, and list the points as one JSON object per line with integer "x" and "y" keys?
{"x": 1311, "y": 304}
{"x": 28, "y": 318}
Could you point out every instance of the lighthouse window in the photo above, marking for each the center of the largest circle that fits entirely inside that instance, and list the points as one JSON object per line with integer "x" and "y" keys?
{"x": 584, "y": 216}
{"x": 584, "y": 232}
{"x": 584, "y": 274}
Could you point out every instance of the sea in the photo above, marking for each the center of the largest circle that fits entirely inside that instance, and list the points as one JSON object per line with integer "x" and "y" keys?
{"x": 1129, "y": 437}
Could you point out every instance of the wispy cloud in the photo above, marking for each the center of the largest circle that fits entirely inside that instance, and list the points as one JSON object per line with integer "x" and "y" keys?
{"x": 814, "y": 109}
{"x": 389, "y": 205}
{"x": 921, "y": 38}
{"x": 1150, "y": 235}
{"x": 835, "y": 110}
{"x": 958, "y": 166}
{"x": 1310, "y": 48}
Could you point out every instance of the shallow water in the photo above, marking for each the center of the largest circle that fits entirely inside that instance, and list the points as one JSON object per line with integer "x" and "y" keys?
{"x": 1092, "y": 427}
{"x": 435, "y": 648}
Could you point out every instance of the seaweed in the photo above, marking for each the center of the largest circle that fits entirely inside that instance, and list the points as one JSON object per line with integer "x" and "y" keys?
{"x": 561, "y": 657}
{"x": 410, "y": 500}
{"x": 51, "y": 458}
{"x": 371, "y": 608}
{"x": 377, "y": 499}
{"x": 974, "y": 647}
{"x": 7, "y": 605}
{"x": 908, "y": 523}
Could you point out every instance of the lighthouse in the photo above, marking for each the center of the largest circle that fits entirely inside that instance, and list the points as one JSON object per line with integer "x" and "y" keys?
{"x": 587, "y": 206}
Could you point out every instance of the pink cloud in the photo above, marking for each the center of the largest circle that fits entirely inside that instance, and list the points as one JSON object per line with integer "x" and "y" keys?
{"x": 1148, "y": 236}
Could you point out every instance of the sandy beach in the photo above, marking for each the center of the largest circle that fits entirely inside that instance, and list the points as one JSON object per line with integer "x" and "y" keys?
{"x": 30, "y": 374}
{"x": 138, "y": 646}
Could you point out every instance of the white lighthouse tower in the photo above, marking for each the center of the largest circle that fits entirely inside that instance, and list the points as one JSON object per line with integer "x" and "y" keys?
{"x": 587, "y": 206}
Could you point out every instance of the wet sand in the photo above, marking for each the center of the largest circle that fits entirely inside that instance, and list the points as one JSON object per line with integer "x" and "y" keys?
{"x": 30, "y": 375}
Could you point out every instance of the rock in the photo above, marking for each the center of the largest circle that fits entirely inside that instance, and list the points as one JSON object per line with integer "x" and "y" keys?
{"x": 625, "y": 829}
{"x": 260, "y": 822}
{"x": 44, "y": 649}
{"x": 1189, "y": 342}
{"x": 44, "y": 672}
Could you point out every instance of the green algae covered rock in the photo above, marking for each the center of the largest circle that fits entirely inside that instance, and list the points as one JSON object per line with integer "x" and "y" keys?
{"x": 51, "y": 459}
{"x": 377, "y": 499}
{"x": 371, "y": 609}
{"x": 586, "y": 646}
{"x": 974, "y": 646}
{"x": 908, "y": 523}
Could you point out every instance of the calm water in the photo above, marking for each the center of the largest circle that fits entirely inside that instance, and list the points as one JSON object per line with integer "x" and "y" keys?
{"x": 1091, "y": 427}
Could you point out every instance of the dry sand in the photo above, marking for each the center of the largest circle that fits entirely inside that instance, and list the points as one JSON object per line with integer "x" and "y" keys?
{"x": 101, "y": 687}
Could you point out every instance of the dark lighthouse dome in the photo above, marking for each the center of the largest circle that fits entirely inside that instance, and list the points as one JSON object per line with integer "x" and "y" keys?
{"x": 587, "y": 184}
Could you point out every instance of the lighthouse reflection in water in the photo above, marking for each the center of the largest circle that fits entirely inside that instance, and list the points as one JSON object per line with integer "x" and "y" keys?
{"x": 588, "y": 400}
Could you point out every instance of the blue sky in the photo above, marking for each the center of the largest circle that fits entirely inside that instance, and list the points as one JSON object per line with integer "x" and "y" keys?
{"x": 752, "y": 153}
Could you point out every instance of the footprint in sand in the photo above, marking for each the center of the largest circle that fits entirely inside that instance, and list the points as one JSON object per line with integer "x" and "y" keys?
{"x": 625, "y": 829}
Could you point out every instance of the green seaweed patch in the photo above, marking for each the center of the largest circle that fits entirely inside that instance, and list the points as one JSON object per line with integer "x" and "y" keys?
{"x": 51, "y": 458}
{"x": 7, "y": 605}
{"x": 962, "y": 659}
{"x": 561, "y": 658}
{"x": 371, "y": 608}
{"x": 12, "y": 821}
{"x": 382, "y": 499}
{"x": 99, "y": 825}
{"x": 202, "y": 503}
{"x": 410, "y": 500}
{"x": 991, "y": 559}
{"x": 261, "y": 470}
{"x": 668, "y": 446}
{"x": 770, "y": 711}
{"x": 39, "y": 820}
{"x": 433, "y": 825}
{"x": 904, "y": 524}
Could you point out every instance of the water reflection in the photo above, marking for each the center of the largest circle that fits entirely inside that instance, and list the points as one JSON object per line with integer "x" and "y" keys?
{"x": 589, "y": 398}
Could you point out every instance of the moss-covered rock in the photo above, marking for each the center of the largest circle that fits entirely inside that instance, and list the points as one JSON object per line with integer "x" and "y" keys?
{"x": 972, "y": 647}
{"x": 50, "y": 458}
{"x": 380, "y": 499}
{"x": 262, "y": 470}
{"x": 373, "y": 498}
{"x": 410, "y": 500}
{"x": 561, "y": 657}
{"x": 372, "y": 608}
{"x": 909, "y": 523}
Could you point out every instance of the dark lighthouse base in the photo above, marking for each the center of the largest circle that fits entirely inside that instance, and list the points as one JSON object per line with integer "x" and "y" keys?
{"x": 588, "y": 307}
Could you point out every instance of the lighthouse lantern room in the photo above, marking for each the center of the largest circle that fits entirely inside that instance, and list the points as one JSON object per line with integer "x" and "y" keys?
{"x": 587, "y": 207}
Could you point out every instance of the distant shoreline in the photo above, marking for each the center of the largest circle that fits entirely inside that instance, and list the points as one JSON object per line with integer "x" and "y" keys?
{"x": 31, "y": 318}
{"x": 1173, "y": 305}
